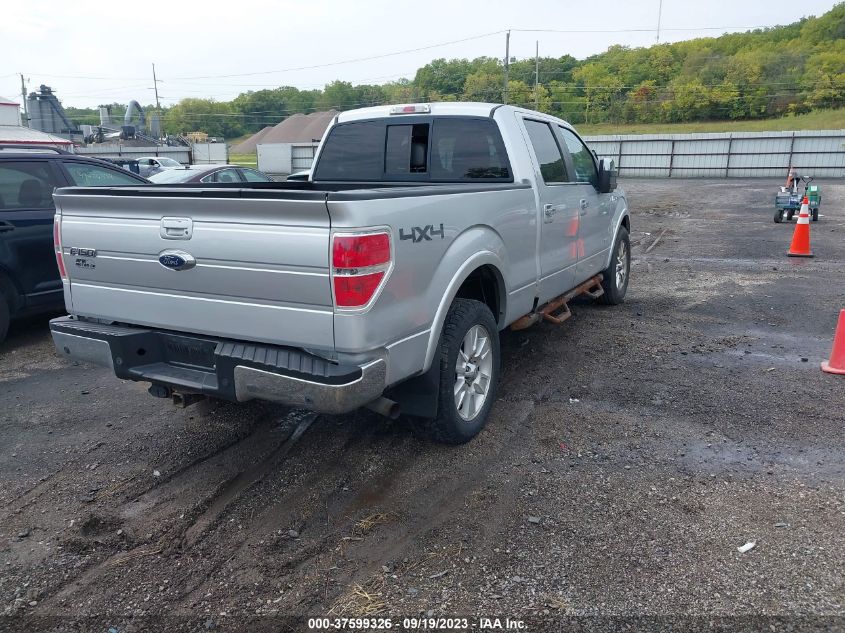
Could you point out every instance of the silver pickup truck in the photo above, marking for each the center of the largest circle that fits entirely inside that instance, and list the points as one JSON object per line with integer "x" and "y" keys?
{"x": 382, "y": 281}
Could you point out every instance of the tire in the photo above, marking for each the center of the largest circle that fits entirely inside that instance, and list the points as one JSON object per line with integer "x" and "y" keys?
{"x": 789, "y": 215}
{"x": 454, "y": 425}
{"x": 5, "y": 316}
{"x": 778, "y": 216}
{"x": 816, "y": 214}
{"x": 616, "y": 285}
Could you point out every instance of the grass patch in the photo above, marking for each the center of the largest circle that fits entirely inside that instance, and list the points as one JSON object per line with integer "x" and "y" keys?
{"x": 247, "y": 160}
{"x": 231, "y": 142}
{"x": 818, "y": 120}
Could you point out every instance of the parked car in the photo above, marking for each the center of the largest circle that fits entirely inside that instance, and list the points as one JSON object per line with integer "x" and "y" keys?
{"x": 382, "y": 281}
{"x": 129, "y": 164}
{"x": 305, "y": 174}
{"x": 210, "y": 174}
{"x": 149, "y": 165}
{"x": 29, "y": 278}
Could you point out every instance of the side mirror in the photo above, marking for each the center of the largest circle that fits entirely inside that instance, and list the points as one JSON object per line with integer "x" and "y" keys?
{"x": 607, "y": 176}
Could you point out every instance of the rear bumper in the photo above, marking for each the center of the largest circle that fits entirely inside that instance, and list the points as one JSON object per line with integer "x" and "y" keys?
{"x": 231, "y": 370}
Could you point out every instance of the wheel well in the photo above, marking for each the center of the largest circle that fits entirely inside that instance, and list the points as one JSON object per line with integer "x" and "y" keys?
{"x": 483, "y": 284}
{"x": 626, "y": 222}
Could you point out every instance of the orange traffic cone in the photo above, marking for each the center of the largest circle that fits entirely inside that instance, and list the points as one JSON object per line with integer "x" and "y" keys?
{"x": 836, "y": 364}
{"x": 801, "y": 237}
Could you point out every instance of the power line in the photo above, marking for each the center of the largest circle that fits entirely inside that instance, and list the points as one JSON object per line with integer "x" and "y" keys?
{"x": 347, "y": 61}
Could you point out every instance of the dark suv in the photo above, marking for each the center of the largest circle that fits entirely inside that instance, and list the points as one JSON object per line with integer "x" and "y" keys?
{"x": 29, "y": 277}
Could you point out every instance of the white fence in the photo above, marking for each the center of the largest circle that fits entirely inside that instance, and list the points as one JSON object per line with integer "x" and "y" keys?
{"x": 730, "y": 155}
{"x": 282, "y": 159}
{"x": 819, "y": 153}
{"x": 209, "y": 153}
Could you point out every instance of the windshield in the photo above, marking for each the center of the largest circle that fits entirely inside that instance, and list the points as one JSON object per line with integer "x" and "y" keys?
{"x": 169, "y": 162}
{"x": 172, "y": 175}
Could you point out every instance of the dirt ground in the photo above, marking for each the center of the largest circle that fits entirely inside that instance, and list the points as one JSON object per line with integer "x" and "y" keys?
{"x": 631, "y": 452}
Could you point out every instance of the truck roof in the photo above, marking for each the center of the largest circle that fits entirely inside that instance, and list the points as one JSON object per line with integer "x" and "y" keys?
{"x": 445, "y": 108}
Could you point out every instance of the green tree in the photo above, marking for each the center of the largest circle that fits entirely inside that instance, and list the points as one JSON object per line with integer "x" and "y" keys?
{"x": 204, "y": 115}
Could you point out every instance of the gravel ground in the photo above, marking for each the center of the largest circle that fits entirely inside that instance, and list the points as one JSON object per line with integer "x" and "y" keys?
{"x": 632, "y": 451}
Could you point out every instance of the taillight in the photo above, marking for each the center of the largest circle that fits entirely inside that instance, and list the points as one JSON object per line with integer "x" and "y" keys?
{"x": 360, "y": 263}
{"x": 57, "y": 246}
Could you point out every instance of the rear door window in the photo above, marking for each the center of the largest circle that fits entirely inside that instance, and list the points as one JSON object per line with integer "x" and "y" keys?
{"x": 547, "y": 151}
{"x": 250, "y": 175}
{"x": 26, "y": 185}
{"x": 224, "y": 175}
{"x": 87, "y": 175}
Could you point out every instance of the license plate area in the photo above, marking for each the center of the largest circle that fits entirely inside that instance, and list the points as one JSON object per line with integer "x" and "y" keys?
{"x": 187, "y": 351}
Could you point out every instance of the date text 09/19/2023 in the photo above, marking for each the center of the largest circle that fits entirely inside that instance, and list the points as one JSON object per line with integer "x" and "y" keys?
{"x": 413, "y": 624}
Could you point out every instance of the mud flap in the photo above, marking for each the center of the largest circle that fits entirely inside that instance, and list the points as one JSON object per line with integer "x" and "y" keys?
{"x": 418, "y": 396}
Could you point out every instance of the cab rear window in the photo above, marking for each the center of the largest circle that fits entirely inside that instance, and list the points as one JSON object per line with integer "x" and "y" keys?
{"x": 441, "y": 149}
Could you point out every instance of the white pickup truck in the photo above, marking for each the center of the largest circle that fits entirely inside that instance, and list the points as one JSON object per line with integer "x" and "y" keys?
{"x": 382, "y": 281}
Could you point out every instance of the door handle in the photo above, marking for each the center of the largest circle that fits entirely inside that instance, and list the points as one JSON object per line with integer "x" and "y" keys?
{"x": 584, "y": 203}
{"x": 549, "y": 210}
{"x": 176, "y": 228}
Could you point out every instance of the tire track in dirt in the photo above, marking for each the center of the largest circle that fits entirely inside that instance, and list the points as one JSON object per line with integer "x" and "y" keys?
{"x": 272, "y": 442}
{"x": 248, "y": 478}
{"x": 407, "y": 488}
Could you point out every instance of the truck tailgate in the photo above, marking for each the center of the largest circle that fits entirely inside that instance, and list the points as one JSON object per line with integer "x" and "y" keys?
{"x": 255, "y": 267}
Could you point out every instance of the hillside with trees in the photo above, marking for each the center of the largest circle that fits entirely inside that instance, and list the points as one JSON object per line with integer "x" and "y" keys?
{"x": 759, "y": 74}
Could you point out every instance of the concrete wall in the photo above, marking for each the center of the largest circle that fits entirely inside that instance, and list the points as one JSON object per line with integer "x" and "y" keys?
{"x": 819, "y": 153}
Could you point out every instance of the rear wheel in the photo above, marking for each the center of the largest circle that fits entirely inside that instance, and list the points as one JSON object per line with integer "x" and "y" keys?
{"x": 778, "y": 216}
{"x": 789, "y": 215}
{"x": 469, "y": 372}
{"x": 615, "y": 277}
{"x": 816, "y": 214}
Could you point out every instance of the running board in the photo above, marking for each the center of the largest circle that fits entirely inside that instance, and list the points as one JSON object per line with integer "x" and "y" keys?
{"x": 557, "y": 310}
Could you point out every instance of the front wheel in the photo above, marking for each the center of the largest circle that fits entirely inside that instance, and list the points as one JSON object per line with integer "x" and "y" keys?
{"x": 816, "y": 214}
{"x": 615, "y": 277}
{"x": 778, "y": 216}
{"x": 469, "y": 372}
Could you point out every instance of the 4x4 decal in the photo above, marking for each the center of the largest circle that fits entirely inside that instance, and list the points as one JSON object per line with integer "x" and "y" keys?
{"x": 418, "y": 234}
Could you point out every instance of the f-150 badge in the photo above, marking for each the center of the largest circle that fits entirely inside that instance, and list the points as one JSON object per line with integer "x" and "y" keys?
{"x": 82, "y": 257}
{"x": 418, "y": 234}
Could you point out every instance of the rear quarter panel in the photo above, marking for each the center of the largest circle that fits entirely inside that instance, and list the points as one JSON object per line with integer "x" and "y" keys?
{"x": 496, "y": 227}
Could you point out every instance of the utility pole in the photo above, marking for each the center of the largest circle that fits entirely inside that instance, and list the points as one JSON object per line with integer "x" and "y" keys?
{"x": 659, "y": 15}
{"x": 25, "y": 107}
{"x": 158, "y": 107}
{"x": 537, "y": 76}
{"x": 507, "y": 64}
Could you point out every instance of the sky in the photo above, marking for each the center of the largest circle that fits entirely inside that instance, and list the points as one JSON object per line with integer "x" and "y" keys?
{"x": 216, "y": 49}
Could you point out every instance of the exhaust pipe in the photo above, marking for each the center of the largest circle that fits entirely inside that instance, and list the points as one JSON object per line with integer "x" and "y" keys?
{"x": 384, "y": 406}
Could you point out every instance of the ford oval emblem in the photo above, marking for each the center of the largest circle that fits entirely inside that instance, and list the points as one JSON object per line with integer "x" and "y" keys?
{"x": 176, "y": 260}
